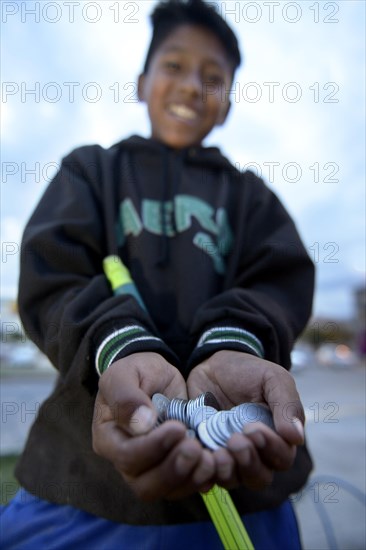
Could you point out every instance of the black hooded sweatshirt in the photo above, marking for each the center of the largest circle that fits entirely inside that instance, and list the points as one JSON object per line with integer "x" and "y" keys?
{"x": 219, "y": 265}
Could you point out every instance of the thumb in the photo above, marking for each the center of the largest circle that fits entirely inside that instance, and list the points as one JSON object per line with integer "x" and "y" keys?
{"x": 142, "y": 420}
{"x": 288, "y": 413}
{"x": 133, "y": 411}
{"x": 130, "y": 407}
{"x": 288, "y": 419}
{"x": 128, "y": 384}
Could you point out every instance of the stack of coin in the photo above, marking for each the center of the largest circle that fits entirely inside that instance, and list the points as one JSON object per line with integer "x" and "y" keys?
{"x": 222, "y": 425}
{"x": 202, "y": 417}
{"x": 182, "y": 409}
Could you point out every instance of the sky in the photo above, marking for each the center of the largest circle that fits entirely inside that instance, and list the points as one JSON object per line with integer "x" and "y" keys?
{"x": 69, "y": 71}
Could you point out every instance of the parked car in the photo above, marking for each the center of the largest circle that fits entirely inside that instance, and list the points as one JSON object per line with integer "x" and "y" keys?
{"x": 336, "y": 355}
{"x": 302, "y": 357}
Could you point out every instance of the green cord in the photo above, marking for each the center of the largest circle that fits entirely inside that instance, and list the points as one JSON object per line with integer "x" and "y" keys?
{"x": 226, "y": 519}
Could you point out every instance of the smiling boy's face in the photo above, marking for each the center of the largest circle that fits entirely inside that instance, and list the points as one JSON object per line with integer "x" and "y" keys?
{"x": 186, "y": 86}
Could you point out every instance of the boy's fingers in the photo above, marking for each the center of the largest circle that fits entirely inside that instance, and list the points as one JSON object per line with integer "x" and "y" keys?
{"x": 288, "y": 413}
{"x": 174, "y": 477}
{"x": 128, "y": 395}
{"x": 225, "y": 465}
{"x": 134, "y": 455}
{"x": 120, "y": 388}
{"x": 274, "y": 451}
{"x": 142, "y": 420}
{"x": 148, "y": 451}
{"x": 205, "y": 469}
{"x": 250, "y": 470}
{"x": 288, "y": 422}
{"x": 162, "y": 463}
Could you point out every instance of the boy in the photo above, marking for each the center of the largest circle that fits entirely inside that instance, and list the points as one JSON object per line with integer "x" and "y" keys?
{"x": 226, "y": 286}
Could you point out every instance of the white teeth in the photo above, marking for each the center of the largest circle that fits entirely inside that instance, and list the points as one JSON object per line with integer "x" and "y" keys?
{"x": 183, "y": 112}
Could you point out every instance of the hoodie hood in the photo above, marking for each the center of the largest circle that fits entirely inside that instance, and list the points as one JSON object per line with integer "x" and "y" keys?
{"x": 208, "y": 156}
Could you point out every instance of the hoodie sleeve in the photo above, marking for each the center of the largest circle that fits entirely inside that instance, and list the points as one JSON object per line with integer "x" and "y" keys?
{"x": 268, "y": 294}
{"x": 66, "y": 303}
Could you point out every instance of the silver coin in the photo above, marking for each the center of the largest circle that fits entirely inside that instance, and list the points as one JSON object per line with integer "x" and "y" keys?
{"x": 217, "y": 433}
{"x": 247, "y": 413}
{"x": 205, "y": 437}
{"x": 200, "y": 414}
{"x": 161, "y": 404}
{"x": 191, "y": 434}
{"x": 225, "y": 425}
{"x": 226, "y": 429}
{"x": 190, "y": 410}
{"x": 206, "y": 399}
{"x": 198, "y": 401}
{"x": 177, "y": 410}
{"x": 216, "y": 428}
{"x": 266, "y": 416}
{"x": 183, "y": 411}
{"x": 233, "y": 424}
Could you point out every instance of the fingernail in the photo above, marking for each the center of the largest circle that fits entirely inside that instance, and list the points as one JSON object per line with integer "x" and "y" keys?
{"x": 300, "y": 428}
{"x": 143, "y": 420}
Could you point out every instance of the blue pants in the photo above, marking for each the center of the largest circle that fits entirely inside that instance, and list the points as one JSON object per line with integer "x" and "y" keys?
{"x": 28, "y": 523}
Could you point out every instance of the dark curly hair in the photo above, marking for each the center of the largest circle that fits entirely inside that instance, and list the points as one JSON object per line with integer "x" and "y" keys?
{"x": 169, "y": 14}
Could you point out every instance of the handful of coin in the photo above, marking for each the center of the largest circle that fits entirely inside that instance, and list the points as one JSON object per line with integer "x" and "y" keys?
{"x": 204, "y": 419}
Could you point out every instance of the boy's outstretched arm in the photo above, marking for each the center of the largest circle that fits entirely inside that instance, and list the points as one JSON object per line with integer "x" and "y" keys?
{"x": 65, "y": 300}
{"x": 235, "y": 378}
{"x": 156, "y": 462}
{"x": 267, "y": 295}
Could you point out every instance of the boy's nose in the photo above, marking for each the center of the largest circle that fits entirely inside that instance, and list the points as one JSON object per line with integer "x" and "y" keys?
{"x": 191, "y": 83}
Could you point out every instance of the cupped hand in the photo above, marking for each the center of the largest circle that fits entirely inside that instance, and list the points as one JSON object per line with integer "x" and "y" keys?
{"x": 251, "y": 457}
{"x": 156, "y": 462}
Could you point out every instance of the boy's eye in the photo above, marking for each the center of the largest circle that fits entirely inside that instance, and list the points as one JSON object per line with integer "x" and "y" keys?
{"x": 172, "y": 65}
{"x": 214, "y": 79}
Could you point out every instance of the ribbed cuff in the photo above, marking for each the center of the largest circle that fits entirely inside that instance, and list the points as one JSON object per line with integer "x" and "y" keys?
{"x": 226, "y": 337}
{"x": 127, "y": 340}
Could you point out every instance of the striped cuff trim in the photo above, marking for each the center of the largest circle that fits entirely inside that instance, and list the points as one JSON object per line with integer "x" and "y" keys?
{"x": 118, "y": 341}
{"x": 231, "y": 335}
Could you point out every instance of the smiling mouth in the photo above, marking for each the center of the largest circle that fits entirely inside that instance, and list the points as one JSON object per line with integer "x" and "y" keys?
{"x": 183, "y": 112}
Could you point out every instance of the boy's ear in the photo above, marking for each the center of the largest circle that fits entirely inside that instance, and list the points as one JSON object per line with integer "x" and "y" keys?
{"x": 141, "y": 87}
{"x": 224, "y": 113}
